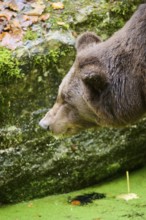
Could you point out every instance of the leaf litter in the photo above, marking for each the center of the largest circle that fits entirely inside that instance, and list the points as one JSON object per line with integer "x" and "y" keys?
{"x": 17, "y": 16}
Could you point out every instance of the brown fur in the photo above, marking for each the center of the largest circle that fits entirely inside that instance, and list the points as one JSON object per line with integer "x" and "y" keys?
{"x": 106, "y": 85}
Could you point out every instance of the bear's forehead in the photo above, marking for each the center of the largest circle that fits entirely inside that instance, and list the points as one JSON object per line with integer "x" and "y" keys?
{"x": 66, "y": 81}
{"x": 86, "y": 58}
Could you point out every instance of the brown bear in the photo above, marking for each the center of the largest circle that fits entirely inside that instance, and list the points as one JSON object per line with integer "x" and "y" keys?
{"x": 106, "y": 86}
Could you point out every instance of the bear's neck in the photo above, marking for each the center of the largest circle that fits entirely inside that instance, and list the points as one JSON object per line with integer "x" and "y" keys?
{"x": 122, "y": 102}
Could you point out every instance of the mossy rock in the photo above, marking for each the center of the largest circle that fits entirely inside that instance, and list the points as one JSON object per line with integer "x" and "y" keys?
{"x": 32, "y": 162}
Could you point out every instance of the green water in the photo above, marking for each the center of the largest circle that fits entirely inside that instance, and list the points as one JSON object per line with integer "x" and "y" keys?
{"x": 110, "y": 208}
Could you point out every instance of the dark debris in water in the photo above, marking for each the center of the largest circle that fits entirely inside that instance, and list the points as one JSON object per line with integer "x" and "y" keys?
{"x": 86, "y": 198}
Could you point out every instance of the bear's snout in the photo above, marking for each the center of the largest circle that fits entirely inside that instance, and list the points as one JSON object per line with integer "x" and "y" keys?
{"x": 43, "y": 124}
{"x": 45, "y": 121}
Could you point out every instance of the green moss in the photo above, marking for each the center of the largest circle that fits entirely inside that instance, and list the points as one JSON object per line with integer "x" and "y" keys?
{"x": 54, "y": 59}
{"x": 9, "y": 65}
{"x": 54, "y": 55}
{"x": 112, "y": 168}
{"x": 108, "y": 17}
{"x": 104, "y": 18}
{"x": 113, "y": 14}
{"x": 30, "y": 35}
{"x": 10, "y": 136}
{"x": 9, "y": 71}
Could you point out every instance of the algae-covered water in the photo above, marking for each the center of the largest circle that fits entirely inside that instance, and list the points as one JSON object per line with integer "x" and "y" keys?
{"x": 109, "y": 208}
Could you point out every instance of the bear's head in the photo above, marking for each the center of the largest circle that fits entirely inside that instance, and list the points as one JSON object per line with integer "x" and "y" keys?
{"x": 78, "y": 102}
{"x": 106, "y": 85}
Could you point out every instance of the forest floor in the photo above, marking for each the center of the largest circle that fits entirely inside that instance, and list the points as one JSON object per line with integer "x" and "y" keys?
{"x": 109, "y": 208}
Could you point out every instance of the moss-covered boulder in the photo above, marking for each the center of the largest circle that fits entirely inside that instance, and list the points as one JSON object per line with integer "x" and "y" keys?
{"x": 32, "y": 162}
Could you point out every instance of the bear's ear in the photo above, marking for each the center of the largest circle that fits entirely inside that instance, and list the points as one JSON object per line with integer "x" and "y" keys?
{"x": 95, "y": 81}
{"x": 85, "y": 39}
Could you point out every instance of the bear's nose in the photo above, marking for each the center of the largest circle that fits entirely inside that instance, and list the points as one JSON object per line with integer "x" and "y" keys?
{"x": 44, "y": 125}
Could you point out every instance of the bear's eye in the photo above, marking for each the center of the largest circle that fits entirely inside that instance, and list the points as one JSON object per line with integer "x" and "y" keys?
{"x": 63, "y": 96}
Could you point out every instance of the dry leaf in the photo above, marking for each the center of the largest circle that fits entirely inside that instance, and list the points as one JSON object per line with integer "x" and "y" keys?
{"x": 25, "y": 21}
{"x": 16, "y": 5}
{"x": 33, "y": 19}
{"x": 38, "y": 9}
{"x": 61, "y": 23}
{"x": 26, "y": 24}
{"x": 13, "y": 39}
{"x": 7, "y": 28}
{"x": 15, "y": 23}
{"x": 74, "y": 34}
{"x": 14, "y": 20}
{"x": 76, "y": 202}
{"x": 2, "y": 6}
{"x": 44, "y": 17}
{"x": 128, "y": 196}
{"x": 24, "y": 18}
{"x": 3, "y": 23}
{"x": 8, "y": 14}
{"x": 2, "y": 35}
{"x": 17, "y": 34}
{"x": 10, "y": 41}
{"x": 57, "y": 5}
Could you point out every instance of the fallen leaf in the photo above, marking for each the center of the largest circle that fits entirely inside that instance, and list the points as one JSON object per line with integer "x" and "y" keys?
{"x": 25, "y": 21}
{"x": 74, "y": 34}
{"x": 15, "y": 23}
{"x": 8, "y": 14}
{"x": 2, "y": 35}
{"x": 76, "y": 202}
{"x": 33, "y": 2}
{"x": 57, "y": 5}
{"x": 38, "y": 9}
{"x": 16, "y": 5}
{"x": 2, "y": 6}
{"x": 3, "y": 23}
{"x": 61, "y": 23}
{"x": 8, "y": 41}
{"x": 7, "y": 27}
{"x": 33, "y": 19}
{"x": 44, "y": 17}
{"x": 128, "y": 196}
{"x": 13, "y": 39}
{"x": 17, "y": 34}
{"x": 26, "y": 24}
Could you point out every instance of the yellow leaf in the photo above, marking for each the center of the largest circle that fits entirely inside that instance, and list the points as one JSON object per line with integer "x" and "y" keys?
{"x": 57, "y": 5}
{"x": 44, "y": 17}
{"x": 61, "y": 23}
